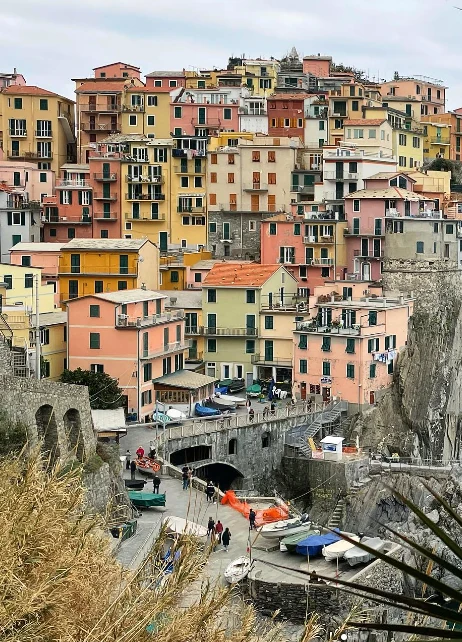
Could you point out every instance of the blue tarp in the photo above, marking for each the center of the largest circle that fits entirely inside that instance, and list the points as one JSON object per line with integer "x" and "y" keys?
{"x": 314, "y": 544}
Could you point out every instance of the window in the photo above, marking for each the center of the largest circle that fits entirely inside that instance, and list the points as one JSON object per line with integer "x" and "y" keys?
{"x": 94, "y": 340}
{"x": 174, "y": 276}
{"x": 326, "y": 368}
{"x": 350, "y": 346}
{"x": 252, "y": 226}
{"x": 177, "y": 112}
{"x": 250, "y": 346}
{"x": 197, "y": 181}
{"x": 53, "y": 231}
{"x": 8, "y": 280}
{"x": 416, "y": 142}
{"x": 303, "y": 342}
{"x": 213, "y": 177}
{"x": 227, "y": 113}
{"x": 123, "y": 264}
{"x": 43, "y": 104}
{"x": 212, "y": 228}
{"x": 184, "y": 181}
{"x": 272, "y": 178}
{"x": 250, "y": 296}
{"x": 255, "y": 157}
{"x": 25, "y": 261}
{"x": 419, "y": 247}
{"x": 212, "y": 199}
{"x": 121, "y": 285}
{"x": 211, "y": 345}
{"x": 158, "y": 83}
{"x": 372, "y": 133}
{"x": 390, "y": 342}
{"x": 449, "y": 228}
{"x": 18, "y": 103}
{"x": 98, "y": 287}
{"x": 16, "y": 238}
{"x": 372, "y": 317}
{"x": 43, "y": 177}
{"x": 28, "y": 280}
{"x": 390, "y": 367}
{"x": 132, "y": 120}
{"x": 269, "y": 323}
{"x": 97, "y": 367}
{"x": 211, "y": 296}
{"x": 322, "y": 125}
{"x": 230, "y": 159}
{"x": 303, "y": 366}
{"x": 172, "y": 83}
{"x": 357, "y": 133}
{"x": 402, "y": 139}
{"x": 230, "y": 177}
{"x": 151, "y": 121}
{"x": 350, "y": 371}
{"x": 198, "y": 277}
{"x": 213, "y": 159}
{"x": 147, "y": 372}
{"x": 356, "y": 205}
{"x": 297, "y": 229}
{"x": 326, "y": 343}
{"x": 402, "y": 161}
{"x": 372, "y": 345}
{"x": 152, "y": 101}
{"x": 94, "y": 311}
{"x": 272, "y": 229}
{"x": 372, "y": 370}
{"x": 354, "y": 105}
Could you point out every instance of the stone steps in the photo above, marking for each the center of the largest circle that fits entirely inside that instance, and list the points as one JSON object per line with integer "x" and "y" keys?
{"x": 337, "y": 515}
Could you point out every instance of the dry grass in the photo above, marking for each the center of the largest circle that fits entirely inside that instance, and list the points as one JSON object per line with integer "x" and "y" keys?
{"x": 59, "y": 581}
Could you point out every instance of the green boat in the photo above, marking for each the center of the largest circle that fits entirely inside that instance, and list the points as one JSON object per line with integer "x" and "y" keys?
{"x": 291, "y": 541}
{"x": 146, "y": 500}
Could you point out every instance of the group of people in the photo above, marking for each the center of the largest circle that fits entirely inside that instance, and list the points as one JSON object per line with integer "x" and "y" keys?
{"x": 212, "y": 492}
{"x": 217, "y": 534}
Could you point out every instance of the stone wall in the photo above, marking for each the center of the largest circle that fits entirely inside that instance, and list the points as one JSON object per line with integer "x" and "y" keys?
{"x": 245, "y": 244}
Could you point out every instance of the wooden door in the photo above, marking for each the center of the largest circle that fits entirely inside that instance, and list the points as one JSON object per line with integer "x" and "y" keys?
{"x": 255, "y": 203}
{"x": 271, "y": 202}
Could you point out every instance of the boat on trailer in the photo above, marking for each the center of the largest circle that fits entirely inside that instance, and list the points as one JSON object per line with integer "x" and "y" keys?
{"x": 286, "y": 527}
{"x": 238, "y": 570}
{"x": 357, "y": 555}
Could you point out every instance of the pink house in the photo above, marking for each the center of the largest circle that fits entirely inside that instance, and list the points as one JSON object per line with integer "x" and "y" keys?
{"x": 34, "y": 184}
{"x": 117, "y": 70}
{"x": 386, "y": 194}
{"x": 165, "y": 81}
{"x": 129, "y": 335}
{"x": 193, "y": 112}
{"x": 348, "y": 346}
{"x": 40, "y": 255}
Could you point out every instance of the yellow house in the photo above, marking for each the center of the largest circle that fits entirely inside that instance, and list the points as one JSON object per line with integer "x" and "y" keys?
{"x": 223, "y": 139}
{"x": 17, "y": 321}
{"x": 345, "y": 103}
{"x": 145, "y": 111}
{"x": 260, "y": 76}
{"x": 437, "y": 140}
{"x": 90, "y": 266}
{"x": 191, "y": 302}
{"x": 175, "y": 269}
{"x": 38, "y": 126}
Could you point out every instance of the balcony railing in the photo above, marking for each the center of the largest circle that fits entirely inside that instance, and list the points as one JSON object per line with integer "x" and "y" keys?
{"x": 64, "y": 182}
{"x": 125, "y": 321}
{"x": 440, "y": 141}
{"x": 255, "y": 187}
{"x": 206, "y": 122}
{"x": 105, "y": 177}
{"x": 144, "y": 217}
{"x": 184, "y": 209}
{"x": 180, "y": 168}
{"x": 18, "y": 133}
{"x": 24, "y": 205}
{"x": 43, "y": 133}
{"x": 109, "y": 107}
{"x": 266, "y": 210}
{"x": 133, "y": 108}
{"x": 355, "y": 329}
{"x": 153, "y": 196}
{"x": 109, "y": 128}
{"x": 353, "y": 232}
{"x": 367, "y": 255}
{"x": 262, "y": 359}
{"x": 99, "y": 196}
{"x": 334, "y": 113}
{"x": 16, "y": 153}
{"x": 178, "y": 346}
{"x": 346, "y": 176}
{"x": 105, "y": 216}
{"x": 221, "y": 332}
{"x": 320, "y": 262}
{"x": 320, "y": 240}
{"x": 66, "y": 220}
{"x": 159, "y": 180}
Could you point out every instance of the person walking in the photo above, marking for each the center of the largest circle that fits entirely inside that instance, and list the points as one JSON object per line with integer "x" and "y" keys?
{"x": 210, "y": 526}
{"x": 210, "y": 491}
{"x": 128, "y": 458}
{"x": 225, "y": 538}
{"x": 251, "y": 415}
{"x": 155, "y": 484}
{"x": 273, "y": 408}
{"x": 132, "y": 469}
{"x": 252, "y": 518}
{"x": 185, "y": 477}
{"x": 140, "y": 452}
{"x": 216, "y": 493}
{"x": 152, "y": 450}
{"x": 219, "y": 530}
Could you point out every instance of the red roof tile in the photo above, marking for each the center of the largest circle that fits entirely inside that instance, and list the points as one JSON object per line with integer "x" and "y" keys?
{"x": 240, "y": 275}
{"x": 117, "y": 63}
{"x": 28, "y": 90}
{"x": 102, "y": 85}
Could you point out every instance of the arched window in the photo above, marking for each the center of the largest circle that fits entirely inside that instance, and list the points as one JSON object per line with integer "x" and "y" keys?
{"x": 232, "y": 447}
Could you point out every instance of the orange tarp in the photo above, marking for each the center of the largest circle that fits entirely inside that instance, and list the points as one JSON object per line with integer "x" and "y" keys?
{"x": 272, "y": 514}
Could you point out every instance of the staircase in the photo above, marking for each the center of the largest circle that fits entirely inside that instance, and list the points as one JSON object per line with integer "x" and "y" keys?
{"x": 19, "y": 358}
{"x": 337, "y": 515}
{"x": 330, "y": 415}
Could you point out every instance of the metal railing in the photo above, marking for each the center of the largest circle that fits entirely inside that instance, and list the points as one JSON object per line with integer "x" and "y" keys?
{"x": 99, "y": 196}
{"x": 143, "y": 217}
{"x": 144, "y": 179}
{"x": 107, "y": 177}
{"x": 64, "y": 182}
{"x": 190, "y": 210}
{"x": 320, "y": 262}
{"x": 368, "y": 255}
{"x": 311, "y": 240}
{"x": 102, "y": 216}
{"x": 177, "y": 346}
{"x": 355, "y": 329}
{"x": 262, "y": 359}
{"x": 104, "y": 108}
{"x": 228, "y": 332}
{"x": 124, "y": 321}
{"x": 255, "y": 187}
{"x": 154, "y": 196}
{"x": 43, "y": 133}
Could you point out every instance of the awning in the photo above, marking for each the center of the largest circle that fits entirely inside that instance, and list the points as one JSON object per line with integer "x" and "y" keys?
{"x": 185, "y": 379}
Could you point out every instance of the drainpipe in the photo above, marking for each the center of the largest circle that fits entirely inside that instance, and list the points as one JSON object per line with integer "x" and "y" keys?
{"x": 37, "y": 329}
{"x": 138, "y": 391}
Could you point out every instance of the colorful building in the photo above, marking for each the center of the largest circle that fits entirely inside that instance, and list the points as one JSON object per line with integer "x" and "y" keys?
{"x": 348, "y": 347}
{"x": 131, "y": 337}
{"x": 191, "y": 302}
{"x": 175, "y": 269}
{"x": 454, "y": 120}
{"x": 19, "y": 220}
{"x": 26, "y": 179}
{"x": 40, "y": 255}
{"x": 37, "y": 126}
{"x": 286, "y": 115}
{"x": 430, "y": 92}
{"x": 93, "y": 266}
{"x": 437, "y": 140}
{"x": 205, "y": 112}
{"x": 233, "y": 296}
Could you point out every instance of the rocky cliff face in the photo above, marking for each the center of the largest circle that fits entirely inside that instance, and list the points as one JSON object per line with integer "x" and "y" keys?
{"x": 421, "y": 415}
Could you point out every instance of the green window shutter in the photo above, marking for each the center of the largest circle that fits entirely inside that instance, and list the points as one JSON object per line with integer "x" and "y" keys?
{"x": 326, "y": 368}
{"x": 61, "y": 196}
{"x": 350, "y": 346}
{"x": 94, "y": 340}
{"x": 370, "y": 345}
{"x": 23, "y": 218}
{"x": 372, "y": 370}
{"x": 350, "y": 371}
{"x": 123, "y": 264}
{"x": 145, "y": 344}
{"x": 303, "y": 342}
{"x": 387, "y": 343}
{"x": 372, "y": 317}
{"x": 303, "y": 366}
{"x": 297, "y": 229}
{"x": 269, "y": 323}
{"x": 80, "y": 197}
{"x": 94, "y": 311}
{"x": 250, "y": 346}
{"x": 326, "y": 341}
{"x": 10, "y": 218}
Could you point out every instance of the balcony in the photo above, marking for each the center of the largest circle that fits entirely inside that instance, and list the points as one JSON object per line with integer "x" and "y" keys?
{"x": 228, "y": 332}
{"x": 158, "y": 180}
{"x": 180, "y": 168}
{"x": 333, "y": 113}
{"x": 65, "y": 220}
{"x": 375, "y": 255}
{"x": 353, "y": 232}
{"x": 206, "y": 122}
{"x": 320, "y": 262}
{"x": 178, "y": 346}
{"x": 266, "y": 210}
{"x": 106, "y": 178}
{"x": 346, "y": 176}
{"x": 255, "y": 187}
{"x": 437, "y": 140}
{"x": 262, "y": 360}
{"x": 23, "y": 205}
{"x": 154, "y": 196}
{"x": 124, "y": 321}
{"x": 302, "y": 189}
{"x": 44, "y": 133}
{"x": 95, "y": 270}
{"x": 105, "y": 216}
{"x": 318, "y": 240}
{"x": 108, "y": 128}
{"x": 64, "y": 182}
{"x": 184, "y": 209}
{"x": 18, "y": 133}
{"x": 355, "y": 329}
{"x": 144, "y": 218}
{"x": 99, "y": 196}
{"x": 16, "y": 153}
{"x": 133, "y": 108}
{"x": 109, "y": 108}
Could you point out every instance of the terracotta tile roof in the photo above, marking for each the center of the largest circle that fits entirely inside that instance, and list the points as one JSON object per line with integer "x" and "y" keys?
{"x": 240, "y": 275}
{"x": 117, "y": 63}
{"x": 29, "y": 90}
{"x": 102, "y": 85}
{"x": 388, "y": 193}
{"x": 373, "y": 122}
{"x": 381, "y": 175}
{"x": 5, "y": 188}
{"x": 166, "y": 74}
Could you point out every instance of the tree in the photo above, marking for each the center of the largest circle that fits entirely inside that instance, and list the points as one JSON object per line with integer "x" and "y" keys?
{"x": 103, "y": 390}
{"x": 446, "y": 165}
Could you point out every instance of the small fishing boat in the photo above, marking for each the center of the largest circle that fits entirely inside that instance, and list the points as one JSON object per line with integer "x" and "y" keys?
{"x": 134, "y": 484}
{"x": 238, "y": 570}
{"x": 254, "y": 390}
{"x": 285, "y": 527}
{"x": 239, "y": 401}
{"x": 224, "y": 384}
{"x": 161, "y": 417}
{"x": 221, "y": 404}
{"x": 205, "y": 411}
{"x": 314, "y": 544}
{"x": 291, "y": 541}
{"x": 337, "y": 550}
{"x": 181, "y": 526}
{"x": 147, "y": 466}
{"x": 221, "y": 390}
{"x": 356, "y": 555}
{"x": 236, "y": 385}
{"x": 146, "y": 500}
{"x": 175, "y": 415}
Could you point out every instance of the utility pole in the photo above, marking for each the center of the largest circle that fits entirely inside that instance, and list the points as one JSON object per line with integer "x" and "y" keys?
{"x": 37, "y": 328}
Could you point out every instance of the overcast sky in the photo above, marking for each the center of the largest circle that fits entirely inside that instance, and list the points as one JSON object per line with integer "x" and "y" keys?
{"x": 52, "y": 41}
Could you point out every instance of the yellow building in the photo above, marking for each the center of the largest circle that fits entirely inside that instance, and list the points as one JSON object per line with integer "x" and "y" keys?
{"x": 175, "y": 269}
{"x": 17, "y": 321}
{"x": 346, "y": 103}
{"x": 437, "y": 140}
{"x": 145, "y": 111}
{"x": 260, "y": 76}
{"x": 91, "y": 266}
{"x": 37, "y": 125}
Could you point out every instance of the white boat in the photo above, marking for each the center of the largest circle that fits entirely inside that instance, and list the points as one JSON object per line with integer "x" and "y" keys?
{"x": 239, "y": 401}
{"x": 356, "y": 555}
{"x": 180, "y": 526}
{"x": 237, "y": 570}
{"x": 173, "y": 413}
{"x": 285, "y": 527}
{"x": 337, "y": 550}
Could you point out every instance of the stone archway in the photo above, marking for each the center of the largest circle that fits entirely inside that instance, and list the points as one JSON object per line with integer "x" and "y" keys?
{"x": 47, "y": 430}
{"x": 222, "y": 473}
{"x": 73, "y": 430}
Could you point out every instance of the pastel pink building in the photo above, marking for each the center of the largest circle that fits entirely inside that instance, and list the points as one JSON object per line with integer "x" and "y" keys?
{"x": 348, "y": 347}
{"x": 196, "y": 112}
{"x": 9, "y": 79}
{"x": 40, "y": 255}
{"x": 129, "y": 335}
{"x": 386, "y": 194}
{"x": 34, "y": 184}
{"x": 117, "y": 70}
{"x": 165, "y": 81}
